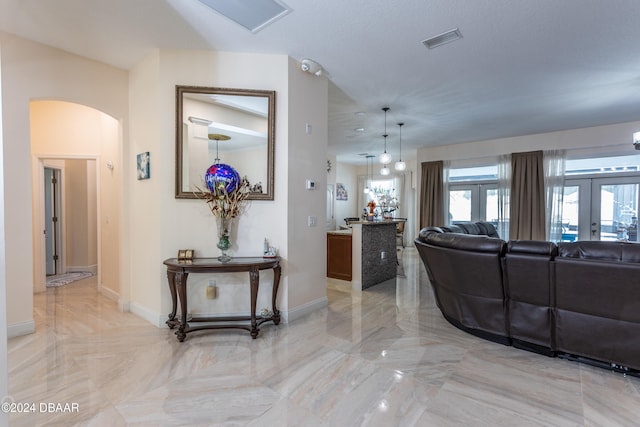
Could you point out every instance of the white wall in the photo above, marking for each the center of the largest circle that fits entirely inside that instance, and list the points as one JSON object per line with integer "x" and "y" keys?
{"x": 161, "y": 224}
{"x": 4, "y": 387}
{"x": 600, "y": 140}
{"x": 307, "y": 159}
{"x": 33, "y": 71}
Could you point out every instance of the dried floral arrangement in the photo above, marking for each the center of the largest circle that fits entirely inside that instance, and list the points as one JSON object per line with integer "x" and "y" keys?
{"x": 225, "y": 204}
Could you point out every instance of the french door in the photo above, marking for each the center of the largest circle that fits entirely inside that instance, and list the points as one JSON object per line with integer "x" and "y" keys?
{"x": 601, "y": 208}
{"x": 473, "y": 202}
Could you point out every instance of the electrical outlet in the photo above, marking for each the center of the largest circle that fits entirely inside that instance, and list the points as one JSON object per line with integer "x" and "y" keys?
{"x": 212, "y": 290}
{"x": 312, "y": 221}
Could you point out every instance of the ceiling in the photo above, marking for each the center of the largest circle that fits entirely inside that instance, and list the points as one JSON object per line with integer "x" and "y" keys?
{"x": 522, "y": 67}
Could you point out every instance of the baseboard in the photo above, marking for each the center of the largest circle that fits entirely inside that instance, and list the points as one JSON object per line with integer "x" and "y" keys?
{"x": 22, "y": 328}
{"x": 124, "y": 306}
{"x": 304, "y": 309}
{"x": 90, "y": 268}
{"x": 109, "y": 293}
{"x": 152, "y": 317}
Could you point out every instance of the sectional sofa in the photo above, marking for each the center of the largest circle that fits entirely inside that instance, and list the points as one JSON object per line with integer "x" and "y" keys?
{"x": 578, "y": 300}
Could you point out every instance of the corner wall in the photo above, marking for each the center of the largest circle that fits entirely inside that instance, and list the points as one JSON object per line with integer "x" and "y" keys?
{"x": 162, "y": 224}
{"x": 307, "y": 159}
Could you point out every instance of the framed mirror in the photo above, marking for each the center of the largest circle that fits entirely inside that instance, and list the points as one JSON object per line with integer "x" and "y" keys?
{"x": 231, "y": 126}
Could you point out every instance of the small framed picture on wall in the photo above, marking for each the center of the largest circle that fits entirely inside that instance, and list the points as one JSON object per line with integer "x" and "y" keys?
{"x": 144, "y": 165}
{"x": 341, "y": 192}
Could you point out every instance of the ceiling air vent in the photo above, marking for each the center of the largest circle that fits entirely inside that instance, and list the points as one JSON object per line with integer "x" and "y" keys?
{"x": 254, "y": 15}
{"x": 444, "y": 38}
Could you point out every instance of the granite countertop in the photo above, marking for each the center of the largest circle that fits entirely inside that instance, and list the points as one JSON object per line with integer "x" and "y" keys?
{"x": 380, "y": 222}
{"x": 339, "y": 232}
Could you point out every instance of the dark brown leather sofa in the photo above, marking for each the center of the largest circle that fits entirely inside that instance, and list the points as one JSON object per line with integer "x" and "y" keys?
{"x": 578, "y": 300}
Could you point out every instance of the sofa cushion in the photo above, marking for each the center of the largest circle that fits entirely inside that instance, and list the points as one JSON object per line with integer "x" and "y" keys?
{"x": 423, "y": 233}
{"x": 528, "y": 283}
{"x": 453, "y": 229}
{"x": 610, "y": 251}
{"x": 488, "y": 229}
{"x": 469, "y": 228}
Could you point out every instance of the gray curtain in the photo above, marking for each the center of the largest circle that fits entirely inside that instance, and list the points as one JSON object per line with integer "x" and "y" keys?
{"x": 527, "y": 204}
{"x": 432, "y": 194}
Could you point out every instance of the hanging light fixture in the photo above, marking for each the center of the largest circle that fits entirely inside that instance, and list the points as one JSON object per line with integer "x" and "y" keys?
{"x": 385, "y": 158}
{"x": 385, "y": 169}
{"x": 367, "y": 184}
{"x": 400, "y": 165}
{"x": 217, "y": 138}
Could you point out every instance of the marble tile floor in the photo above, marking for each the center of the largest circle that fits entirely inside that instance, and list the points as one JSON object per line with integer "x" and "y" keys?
{"x": 379, "y": 357}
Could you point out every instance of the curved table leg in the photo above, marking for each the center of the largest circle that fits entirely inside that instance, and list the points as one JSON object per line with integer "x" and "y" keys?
{"x": 274, "y": 294}
{"x": 254, "y": 280}
{"x": 172, "y": 322}
{"x": 181, "y": 283}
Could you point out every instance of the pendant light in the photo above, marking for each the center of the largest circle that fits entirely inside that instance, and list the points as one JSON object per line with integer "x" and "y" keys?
{"x": 400, "y": 165}
{"x": 369, "y": 177}
{"x": 217, "y": 138}
{"x": 385, "y": 169}
{"x": 385, "y": 158}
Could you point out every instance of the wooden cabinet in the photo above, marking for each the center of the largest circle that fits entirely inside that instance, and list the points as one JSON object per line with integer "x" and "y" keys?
{"x": 339, "y": 255}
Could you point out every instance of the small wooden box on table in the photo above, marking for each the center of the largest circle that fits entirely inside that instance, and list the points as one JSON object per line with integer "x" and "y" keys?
{"x": 178, "y": 272}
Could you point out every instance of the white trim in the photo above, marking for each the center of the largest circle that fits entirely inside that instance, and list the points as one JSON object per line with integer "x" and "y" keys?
{"x": 76, "y": 268}
{"x": 124, "y": 306}
{"x": 112, "y": 295}
{"x": 21, "y": 328}
{"x": 304, "y": 309}
{"x": 152, "y": 317}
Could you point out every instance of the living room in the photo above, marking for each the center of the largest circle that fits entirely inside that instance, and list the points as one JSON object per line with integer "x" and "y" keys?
{"x": 142, "y": 223}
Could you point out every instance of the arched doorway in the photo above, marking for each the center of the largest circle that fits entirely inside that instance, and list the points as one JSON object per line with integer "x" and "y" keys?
{"x": 83, "y": 143}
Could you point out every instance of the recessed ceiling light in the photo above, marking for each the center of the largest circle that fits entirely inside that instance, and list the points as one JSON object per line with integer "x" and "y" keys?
{"x": 444, "y": 38}
{"x": 360, "y": 113}
{"x": 254, "y": 15}
{"x": 359, "y": 129}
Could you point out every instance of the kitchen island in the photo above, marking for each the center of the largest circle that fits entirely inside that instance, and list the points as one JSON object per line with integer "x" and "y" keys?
{"x": 373, "y": 253}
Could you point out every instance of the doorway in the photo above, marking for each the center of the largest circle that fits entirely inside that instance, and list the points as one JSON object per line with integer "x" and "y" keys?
{"x": 603, "y": 208}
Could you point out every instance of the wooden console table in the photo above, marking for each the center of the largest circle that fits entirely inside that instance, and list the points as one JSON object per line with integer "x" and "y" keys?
{"x": 178, "y": 271}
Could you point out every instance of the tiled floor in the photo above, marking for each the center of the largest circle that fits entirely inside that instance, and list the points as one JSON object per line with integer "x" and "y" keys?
{"x": 381, "y": 357}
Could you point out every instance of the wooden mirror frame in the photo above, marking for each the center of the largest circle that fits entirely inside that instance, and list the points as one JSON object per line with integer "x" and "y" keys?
{"x": 271, "y": 133}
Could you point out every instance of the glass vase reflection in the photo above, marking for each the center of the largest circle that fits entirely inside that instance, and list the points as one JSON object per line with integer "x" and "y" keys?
{"x": 224, "y": 233}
